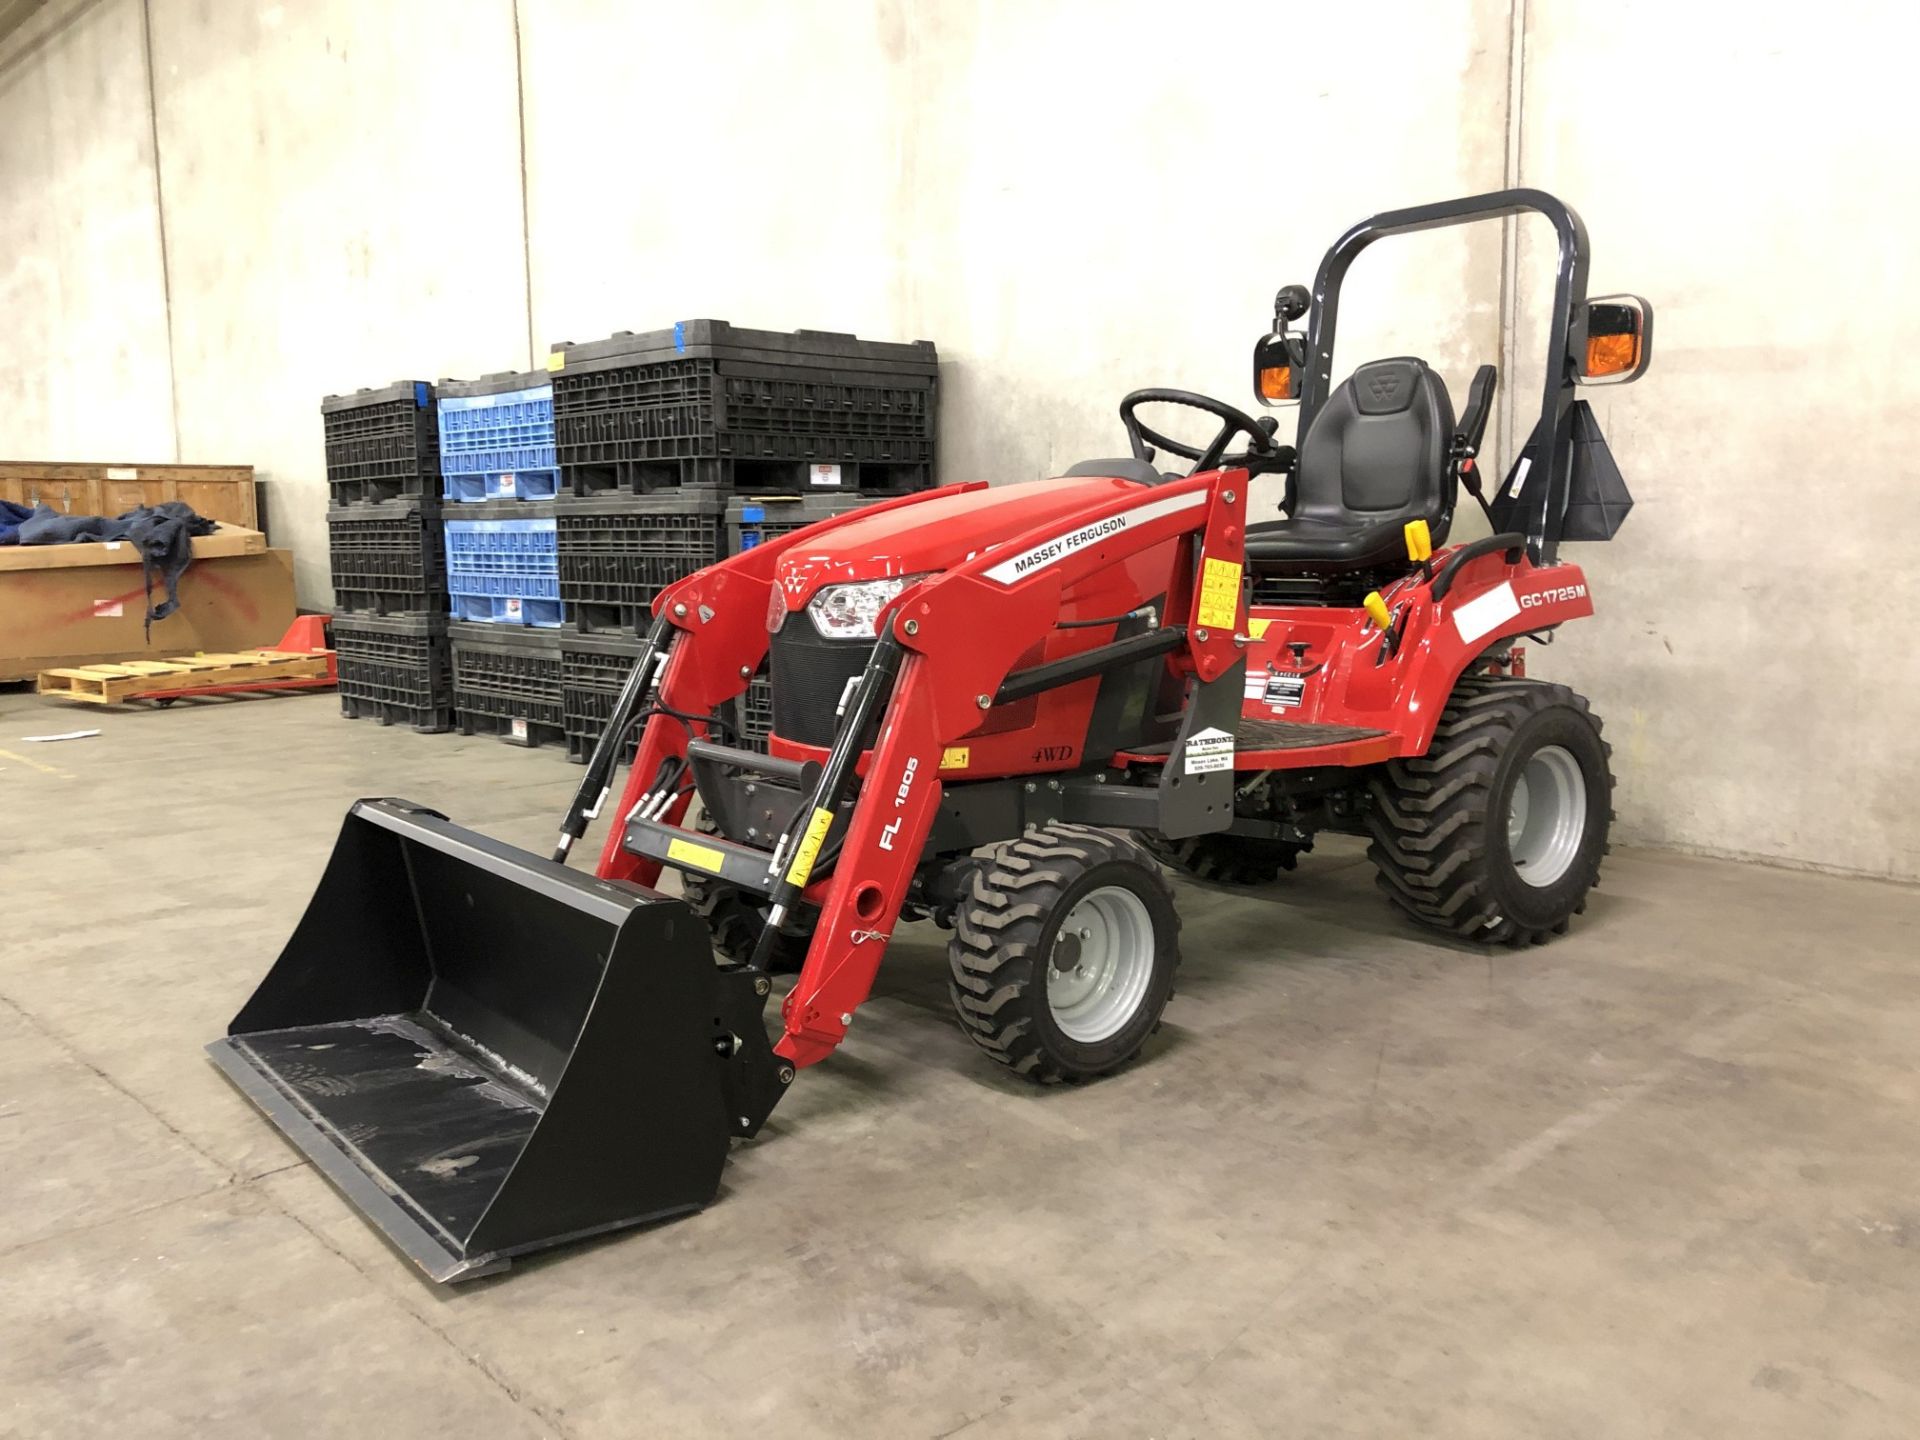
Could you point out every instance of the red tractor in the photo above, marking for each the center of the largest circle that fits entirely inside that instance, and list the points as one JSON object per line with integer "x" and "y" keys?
{"x": 999, "y": 709}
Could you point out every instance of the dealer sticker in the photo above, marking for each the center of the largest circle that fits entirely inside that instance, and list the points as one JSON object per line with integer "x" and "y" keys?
{"x": 825, "y": 476}
{"x": 1209, "y": 750}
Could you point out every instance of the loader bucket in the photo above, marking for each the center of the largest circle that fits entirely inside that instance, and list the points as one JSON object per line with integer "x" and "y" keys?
{"x": 486, "y": 1052}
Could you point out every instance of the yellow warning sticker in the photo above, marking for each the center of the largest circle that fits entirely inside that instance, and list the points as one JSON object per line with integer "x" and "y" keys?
{"x": 808, "y": 850}
{"x": 956, "y": 757}
{"x": 1258, "y": 628}
{"x": 557, "y": 360}
{"x": 1219, "y": 593}
{"x": 703, "y": 857}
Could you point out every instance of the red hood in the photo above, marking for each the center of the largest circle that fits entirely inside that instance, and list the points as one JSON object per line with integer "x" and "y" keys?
{"x": 935, "y": 534}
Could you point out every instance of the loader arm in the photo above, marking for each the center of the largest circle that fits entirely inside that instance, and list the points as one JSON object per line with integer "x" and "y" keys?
{"x": 724, "y": 609}
{"x": 961, "y": 633}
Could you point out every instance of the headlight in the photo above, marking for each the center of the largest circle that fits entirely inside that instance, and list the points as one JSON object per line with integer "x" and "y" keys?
{"x": 849, "y": 612}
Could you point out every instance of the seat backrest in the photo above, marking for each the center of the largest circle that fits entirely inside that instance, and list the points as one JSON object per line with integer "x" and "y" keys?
{"x": 1380, "y": 449}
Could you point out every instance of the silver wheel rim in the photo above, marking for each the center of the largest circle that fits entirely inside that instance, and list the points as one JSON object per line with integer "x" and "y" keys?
{"x": 1547, "y": 816}
{"x": 1101, "y": 962}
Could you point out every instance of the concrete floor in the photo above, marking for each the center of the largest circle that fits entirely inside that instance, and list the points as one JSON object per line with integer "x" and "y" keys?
{"x": 1656, "y": 1179}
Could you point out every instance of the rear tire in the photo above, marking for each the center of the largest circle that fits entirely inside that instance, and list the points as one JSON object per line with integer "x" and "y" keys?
{"x": 1225, "y": 859}
{"x": 1497, "y": 832}
{"x": 1064, "y": 952}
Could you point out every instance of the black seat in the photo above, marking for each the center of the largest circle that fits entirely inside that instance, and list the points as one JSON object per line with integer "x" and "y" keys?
{"x": 1379, "y": 454}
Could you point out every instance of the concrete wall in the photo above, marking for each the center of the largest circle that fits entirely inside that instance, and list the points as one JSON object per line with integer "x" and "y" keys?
{"x": 83, "y": 311}
{"x": 1073, "y": 199}
{"x": 1750, "y": 649}
{"x": 1040, "y": 188}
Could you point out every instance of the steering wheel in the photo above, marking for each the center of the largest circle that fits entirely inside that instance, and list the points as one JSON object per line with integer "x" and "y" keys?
{"x": 1259, "y": 433}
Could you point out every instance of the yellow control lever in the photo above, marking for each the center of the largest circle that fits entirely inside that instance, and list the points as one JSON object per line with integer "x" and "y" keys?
{"x": 1377, "y": 608}
{"x": 1419, "y": 541}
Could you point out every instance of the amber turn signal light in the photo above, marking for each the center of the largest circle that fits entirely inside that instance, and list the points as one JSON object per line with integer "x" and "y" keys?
{"x": 1612, "y": 354}
{"x": 1276, "y": 383}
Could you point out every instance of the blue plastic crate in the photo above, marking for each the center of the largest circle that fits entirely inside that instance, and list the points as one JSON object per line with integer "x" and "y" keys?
{"x": 504, "y": 485}
{"x": 481, "y": 544}
{"x": 527, "y": 587}
{"x": 496, "y": 447}
{"x": 508, "y": 610}
{"x": 504, "y": 572}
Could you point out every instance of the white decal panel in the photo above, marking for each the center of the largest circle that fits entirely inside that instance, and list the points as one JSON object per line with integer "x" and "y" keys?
{"x": 1484, "y": 612}
{"x": 1209, "y": 750}
{"x": 1051, "y": 552}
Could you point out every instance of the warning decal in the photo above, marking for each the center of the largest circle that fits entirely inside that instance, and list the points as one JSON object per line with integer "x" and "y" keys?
{"x": 956, "y": 757}
{"x": 1219, "y": 593}
{"x": 808, "y": 850}
{"x": 1209, "y": 750}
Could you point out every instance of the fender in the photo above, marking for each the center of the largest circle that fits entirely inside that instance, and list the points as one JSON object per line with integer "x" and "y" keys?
{"x": 1325, "y": 666}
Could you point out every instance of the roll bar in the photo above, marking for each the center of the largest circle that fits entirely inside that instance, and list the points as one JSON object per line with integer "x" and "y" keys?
{"x": 1538, "y": 509}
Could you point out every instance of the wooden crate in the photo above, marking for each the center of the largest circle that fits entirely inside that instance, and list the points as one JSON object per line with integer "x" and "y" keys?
{"x": 218, "y": 492}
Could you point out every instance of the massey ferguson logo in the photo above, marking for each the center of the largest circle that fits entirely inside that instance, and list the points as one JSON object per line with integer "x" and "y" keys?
{"x": 1553, "y": 595}
{"x": 1384, "y": 387}
{"x": 1067, "y": 544}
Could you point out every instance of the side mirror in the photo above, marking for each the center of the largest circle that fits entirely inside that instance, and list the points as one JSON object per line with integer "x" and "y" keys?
{"x": 1280, "y": 359}
{"x": 1279, "y": 363}
{"x": 1614, "y": 342}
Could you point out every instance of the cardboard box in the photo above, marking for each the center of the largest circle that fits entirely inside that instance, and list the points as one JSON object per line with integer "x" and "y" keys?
{"x": 81, "y": 604}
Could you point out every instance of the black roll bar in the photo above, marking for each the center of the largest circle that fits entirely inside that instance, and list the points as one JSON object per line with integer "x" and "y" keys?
{"x": 1542, "y": 473}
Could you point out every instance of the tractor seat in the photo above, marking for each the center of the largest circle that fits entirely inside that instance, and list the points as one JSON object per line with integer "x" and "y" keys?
{"x": 1379, "y": 454}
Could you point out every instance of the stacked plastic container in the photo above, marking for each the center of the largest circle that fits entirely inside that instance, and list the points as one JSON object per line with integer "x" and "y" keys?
{"x": 388, "y": 560}
{"x": 503, "y": 582}
{"x": 498, "y": 543}
{"x": 677, "y": 447}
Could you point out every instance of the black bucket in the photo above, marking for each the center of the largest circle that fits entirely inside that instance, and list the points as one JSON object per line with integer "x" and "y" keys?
{"x": 487, "y": 1052}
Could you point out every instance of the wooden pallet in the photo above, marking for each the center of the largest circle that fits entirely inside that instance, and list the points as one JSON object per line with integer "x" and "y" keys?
{"x": 188, "y": 674}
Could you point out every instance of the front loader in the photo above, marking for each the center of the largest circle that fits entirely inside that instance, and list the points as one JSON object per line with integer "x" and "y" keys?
{"x": 997, "y": 709}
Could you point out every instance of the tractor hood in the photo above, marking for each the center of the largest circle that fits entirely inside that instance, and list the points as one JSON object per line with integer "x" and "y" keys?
{"x": 936, "y": 534}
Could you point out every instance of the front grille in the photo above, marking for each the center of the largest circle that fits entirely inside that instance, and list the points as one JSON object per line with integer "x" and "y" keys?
{"x": 809, "y": 675}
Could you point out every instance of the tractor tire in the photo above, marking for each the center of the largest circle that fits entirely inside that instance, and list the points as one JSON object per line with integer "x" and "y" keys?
{"x": 1225, "y": 859}
{"x": 734, "y": 918}
{"x": 1497, "y": 832}
{"x": 1064, "y": 952}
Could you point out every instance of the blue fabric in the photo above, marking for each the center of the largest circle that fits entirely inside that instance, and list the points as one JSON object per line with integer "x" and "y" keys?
{"x": 164, "y": 534}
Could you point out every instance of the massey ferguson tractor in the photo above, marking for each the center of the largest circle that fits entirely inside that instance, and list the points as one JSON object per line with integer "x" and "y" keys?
{"x": 999, "y": 709}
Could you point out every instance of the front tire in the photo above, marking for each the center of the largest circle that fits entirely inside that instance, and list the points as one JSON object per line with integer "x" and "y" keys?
{"x": 734, "y": 918}
{"x": 1064, "y": 952}
{"x": 1497, "y": 833}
